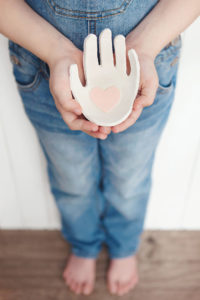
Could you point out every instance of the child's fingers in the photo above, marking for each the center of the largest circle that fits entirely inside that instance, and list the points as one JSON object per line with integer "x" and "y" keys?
{"x": 76, "y": 123}
{"x": 147, "y": 95}
{"x": 84, "y": 125}
{"x": 97, "y": 135}
{"x": 105, "y": 129}
{"x": 62, "y": 95}
{"x": 143, "y": 101}
{"x": 128, "y": 122}
{"x": 71, "y": 108}
{"x": 67, "y": 103}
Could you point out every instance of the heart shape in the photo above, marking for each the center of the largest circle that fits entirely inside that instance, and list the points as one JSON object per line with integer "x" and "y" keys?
{"x": 105, "y": 99}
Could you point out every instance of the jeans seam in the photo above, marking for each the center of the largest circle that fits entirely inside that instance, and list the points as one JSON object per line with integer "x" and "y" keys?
{"x": 95, "y": 27}
{"x": 90, "y": 18}
{"x": 56, "y": 8}
{"x": 33, "y": 85}
{"x": 92, "y": 26}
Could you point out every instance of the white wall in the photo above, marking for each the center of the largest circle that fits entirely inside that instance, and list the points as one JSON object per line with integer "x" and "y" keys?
{"x": 25, "y": 198}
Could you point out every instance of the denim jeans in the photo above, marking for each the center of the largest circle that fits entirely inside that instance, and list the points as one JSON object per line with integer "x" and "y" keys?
{"x": 101, "y": 187}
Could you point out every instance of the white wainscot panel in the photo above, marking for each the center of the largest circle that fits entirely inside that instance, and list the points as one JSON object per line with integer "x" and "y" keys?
{"x": 175, "y": 197}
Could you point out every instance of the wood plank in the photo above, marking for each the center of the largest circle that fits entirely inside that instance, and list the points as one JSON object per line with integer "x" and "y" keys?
{"x": 46, "y": 244}
{"x": 170, "y": 245}
{"x": 37, "y": 274}
{"x": 32, "y": 262}
{"x": 63, "y": 294}
{"x": 30, "y": 244}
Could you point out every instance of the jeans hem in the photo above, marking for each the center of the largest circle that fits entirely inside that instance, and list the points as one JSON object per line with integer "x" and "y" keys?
{"x": 79, "y": 252}
{"x": 122, "y": 254}
{"x": 85, "y": 254}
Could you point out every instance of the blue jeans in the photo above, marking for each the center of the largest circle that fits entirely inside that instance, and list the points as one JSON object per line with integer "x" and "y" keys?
{"x": 101, "y": 187}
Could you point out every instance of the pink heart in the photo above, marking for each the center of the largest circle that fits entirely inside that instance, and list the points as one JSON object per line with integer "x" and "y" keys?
{"x": 105, "y": 99}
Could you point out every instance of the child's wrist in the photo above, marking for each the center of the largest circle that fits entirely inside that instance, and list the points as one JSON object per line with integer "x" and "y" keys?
{"x": 60, "y": 49}
{"x": 142, "y": 46}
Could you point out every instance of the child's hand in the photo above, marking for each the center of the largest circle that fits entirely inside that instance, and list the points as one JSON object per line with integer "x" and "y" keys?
{"x": 147, "y": 91}
{"x": 107, "y": 98}
{"x": 69, "y": 108}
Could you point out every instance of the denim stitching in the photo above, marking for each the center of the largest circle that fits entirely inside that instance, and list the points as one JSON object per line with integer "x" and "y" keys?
{"x": 90, "y": 26}
{"x": 163, "y": 56}
{"x": 16, "y": 53}
{"x": 33, "y": 85}
{"x": 164, "y": 90}
{"x": 84, "y": 12}
{"x": 90, "y": 17}
{"x": 175, "y": 61}
{"x": 95, "y": 27}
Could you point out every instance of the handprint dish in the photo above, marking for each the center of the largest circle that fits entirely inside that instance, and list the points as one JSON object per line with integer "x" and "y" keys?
{"x": 108, "y": 96}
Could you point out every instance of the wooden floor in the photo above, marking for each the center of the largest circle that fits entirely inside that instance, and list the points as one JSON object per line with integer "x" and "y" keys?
{"x": 31, "y": 264}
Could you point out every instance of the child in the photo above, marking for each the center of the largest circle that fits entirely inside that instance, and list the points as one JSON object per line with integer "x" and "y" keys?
{"x": 100, "y": 176}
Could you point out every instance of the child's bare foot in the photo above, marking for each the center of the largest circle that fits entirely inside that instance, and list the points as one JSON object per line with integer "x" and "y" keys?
{"x": 80, "y": 273}
{"x": 122, "y": 275}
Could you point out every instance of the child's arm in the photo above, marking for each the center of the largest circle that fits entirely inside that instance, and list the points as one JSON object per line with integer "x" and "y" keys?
{"x": 24, "y": 26}
{"x": 166, "y": 20}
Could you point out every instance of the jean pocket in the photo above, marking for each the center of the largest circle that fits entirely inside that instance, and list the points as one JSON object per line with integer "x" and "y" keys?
{"x": 165, "y": 89}
{"x": 166, "y": 64}
{"x": 26, "y": 67}
{"x": 88, "y": 9}
{"x": 170, "y": 50}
